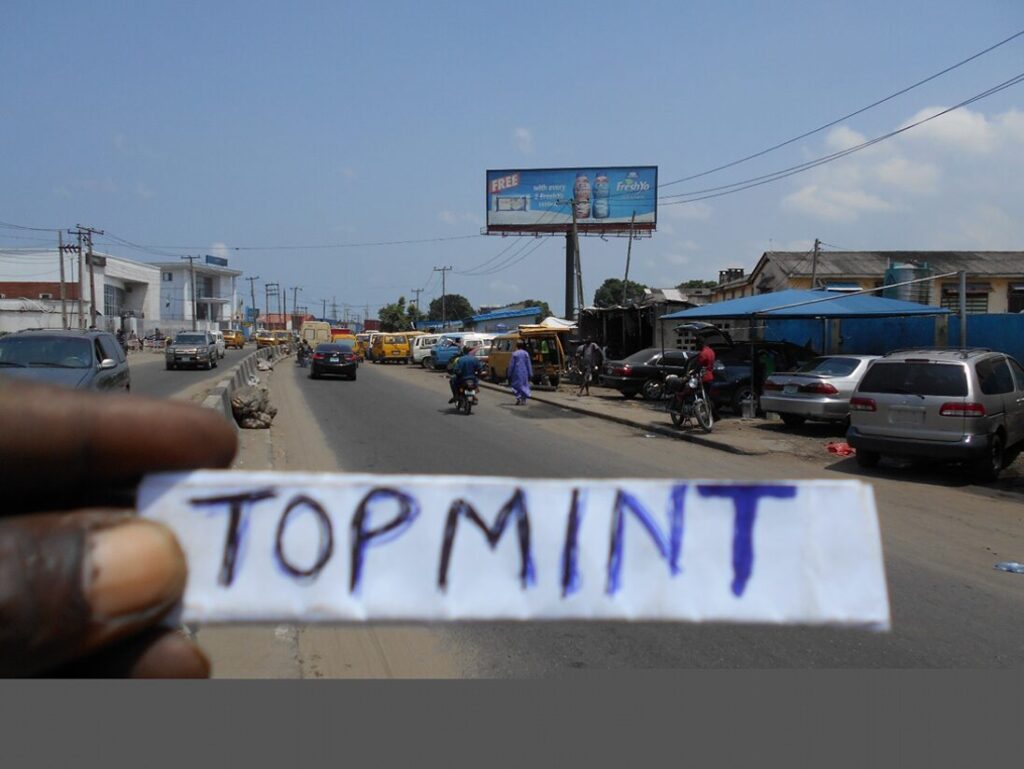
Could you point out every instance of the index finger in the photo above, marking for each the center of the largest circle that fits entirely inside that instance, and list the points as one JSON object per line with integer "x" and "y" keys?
{"x": 59, "y": 446}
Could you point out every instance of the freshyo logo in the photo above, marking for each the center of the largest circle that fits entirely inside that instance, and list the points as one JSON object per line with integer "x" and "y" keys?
{"x": 632, "y": 183}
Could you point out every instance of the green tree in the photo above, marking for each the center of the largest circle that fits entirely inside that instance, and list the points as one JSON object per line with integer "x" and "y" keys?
{"x": 697, "y": 284}
{"x": 456, "y": 306}
{"x": 545, "y": 311}
{"x": 610, "y": 293}
{"x": 394, "y": 317}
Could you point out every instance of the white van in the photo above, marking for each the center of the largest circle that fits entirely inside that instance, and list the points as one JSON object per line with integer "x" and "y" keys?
{"x": 421, "y": 347}
{"x": 316, "y": 332}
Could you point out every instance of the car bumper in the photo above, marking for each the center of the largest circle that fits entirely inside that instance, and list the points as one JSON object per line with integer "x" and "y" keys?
{"x": 824, "y": 408}
{"x": 334, "y": 368}
{"x": 967, "y": 448}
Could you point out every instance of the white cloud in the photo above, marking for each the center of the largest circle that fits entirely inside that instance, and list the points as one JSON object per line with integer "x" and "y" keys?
{"x": 697, "y": 210}
{"x": 523, "y": 138}
{"x": 220, "y": 249}
{"x": 910, "y": 175}
{"x": 834, "y": 204}
{"x": 459, "y": 217}
{"x": 962, "y": 130}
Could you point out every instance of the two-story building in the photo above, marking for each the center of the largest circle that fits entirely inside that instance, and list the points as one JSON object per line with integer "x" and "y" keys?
{"x": 215, "y": 301}
{"x": 995, "y": 279}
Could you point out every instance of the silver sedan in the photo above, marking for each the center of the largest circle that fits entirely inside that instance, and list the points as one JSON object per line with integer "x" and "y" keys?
{"x": 820, "y": 389}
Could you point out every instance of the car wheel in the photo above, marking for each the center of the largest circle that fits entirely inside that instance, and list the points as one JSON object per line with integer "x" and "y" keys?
{"x": 793, "y": 420}
{"x": 352, "y": 376}
{"x": 742, "y": 393}
{"x": 987, "y": 469}
{"x": 428, "y": 362}
{"x": 652, "y": 390}
{"x": 867, "y": 458}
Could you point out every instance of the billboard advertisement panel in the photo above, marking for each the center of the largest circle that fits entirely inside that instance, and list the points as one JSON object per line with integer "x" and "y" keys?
{"x": 542, "y": 199}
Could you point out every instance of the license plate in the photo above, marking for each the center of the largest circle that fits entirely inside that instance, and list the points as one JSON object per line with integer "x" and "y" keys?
{"x": 789, "y": 389}
{"x": 334, "y": 359}
{"x": 898, "y": 416}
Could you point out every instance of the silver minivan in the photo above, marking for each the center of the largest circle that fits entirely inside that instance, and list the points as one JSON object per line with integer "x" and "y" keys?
{"x": 956, "y": 405}
{"x": 421, "y": 347}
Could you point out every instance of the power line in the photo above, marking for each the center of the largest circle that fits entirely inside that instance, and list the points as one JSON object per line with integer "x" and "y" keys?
{"x": 844, "y": 117}
{"x": 757, "y": 181}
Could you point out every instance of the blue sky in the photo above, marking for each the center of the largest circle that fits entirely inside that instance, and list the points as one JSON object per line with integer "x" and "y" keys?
{"x": 198, "y": 127}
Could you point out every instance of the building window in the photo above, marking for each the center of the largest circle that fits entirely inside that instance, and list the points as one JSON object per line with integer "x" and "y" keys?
{"x": 977, "y": 298}
{"x": 168, "y": 277}
{"x": 113, "y": 301}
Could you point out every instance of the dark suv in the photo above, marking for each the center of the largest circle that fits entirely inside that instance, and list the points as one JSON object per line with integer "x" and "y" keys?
{"x": 83, "y": 360}
{"x": 957, "y": 405}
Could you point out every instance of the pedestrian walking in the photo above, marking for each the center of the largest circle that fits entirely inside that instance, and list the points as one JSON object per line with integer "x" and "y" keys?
{"x": 592, "y": 359}
{"x": 520, "y": 373}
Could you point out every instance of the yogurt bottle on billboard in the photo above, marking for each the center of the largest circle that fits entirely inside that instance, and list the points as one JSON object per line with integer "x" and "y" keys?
{"x": 581, "y": 196}
{"x": 601, "y": 195}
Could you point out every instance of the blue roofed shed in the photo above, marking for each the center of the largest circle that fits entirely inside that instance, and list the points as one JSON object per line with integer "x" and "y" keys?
{"x": 503, "y": 320}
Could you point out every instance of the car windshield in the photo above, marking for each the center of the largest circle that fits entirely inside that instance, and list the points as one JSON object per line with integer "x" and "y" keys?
{"x": 829, "y": 366}
{"x": 395, "y": 340}
{"x": 52, "y": 351}
{"x": 190, "y": 339}
{"x": 905, "y": 378}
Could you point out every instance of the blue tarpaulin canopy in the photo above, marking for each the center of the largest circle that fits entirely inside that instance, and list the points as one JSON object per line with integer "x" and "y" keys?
{"x": 794, "y": 304}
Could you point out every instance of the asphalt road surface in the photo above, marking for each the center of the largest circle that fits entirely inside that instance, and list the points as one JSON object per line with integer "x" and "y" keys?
{"x": 941, "y": 535}
{"x": 150, "y": 377}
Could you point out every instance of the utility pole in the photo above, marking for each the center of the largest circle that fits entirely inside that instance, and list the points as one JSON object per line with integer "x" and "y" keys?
{"x": 417, "y": 291}
{"x": 284, "y": 312}
{"x": 295, "y": 302}
{"x": 88, "y": 232}
{"x": 192, "y": 270}
{"x": 276, "y": 292}
{"x": 334, "y": 309}
{"x": 444, "y": 309}
{"x": 81, "y": 279}
{"x": 814, "y": 263}
{"x": 63, "y": 293}
{"x": 323, "y": 311}
{"x": 252, "y": 291}
{"x": 629, "y": 251}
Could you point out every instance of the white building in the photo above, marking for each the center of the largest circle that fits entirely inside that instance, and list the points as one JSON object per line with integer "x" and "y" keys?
{"x": 126, "y": 291}
{"x": 215, "y": 299}
{"x": 136, "y": 296}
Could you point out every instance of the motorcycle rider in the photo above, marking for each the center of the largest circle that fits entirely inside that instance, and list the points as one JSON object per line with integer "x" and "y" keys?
{"x": 706, "y": 360}
{"x": 463, "y": 368}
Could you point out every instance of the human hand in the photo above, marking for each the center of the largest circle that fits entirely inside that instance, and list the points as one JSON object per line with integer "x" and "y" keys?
{"x": 83, "y": 582}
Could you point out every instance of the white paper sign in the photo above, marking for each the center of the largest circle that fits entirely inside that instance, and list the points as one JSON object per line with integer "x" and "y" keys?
{"x": 334, "y": 547}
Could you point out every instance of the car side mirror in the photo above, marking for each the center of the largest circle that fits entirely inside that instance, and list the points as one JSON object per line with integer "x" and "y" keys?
{"x": 108, "y": 363}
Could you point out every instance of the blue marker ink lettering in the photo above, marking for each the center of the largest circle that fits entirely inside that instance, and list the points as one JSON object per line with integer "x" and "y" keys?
{"x": 326, "y": 538}
{"x": 745, "y": 499}
{"x": 408, "y": 509}
{"x": 669, "y": 548}
{"x": 517, "y": 505}
{"x": 236, "y": 505}
{"x": 570, "y": 568}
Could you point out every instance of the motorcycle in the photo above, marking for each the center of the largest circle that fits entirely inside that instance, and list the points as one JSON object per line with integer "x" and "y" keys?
{"x": 689, "y": 400}
{"x": 467, "y": 396}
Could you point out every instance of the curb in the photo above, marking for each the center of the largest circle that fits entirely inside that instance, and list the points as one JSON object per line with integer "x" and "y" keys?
{"x": 219, "y": 398}
{"x": 669, "y": 432}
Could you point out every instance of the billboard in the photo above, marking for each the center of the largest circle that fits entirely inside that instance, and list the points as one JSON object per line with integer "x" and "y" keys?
{"x": 543, "y": 199}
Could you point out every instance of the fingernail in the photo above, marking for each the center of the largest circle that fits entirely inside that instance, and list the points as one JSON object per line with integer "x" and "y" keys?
{"x": 133, "y": 568}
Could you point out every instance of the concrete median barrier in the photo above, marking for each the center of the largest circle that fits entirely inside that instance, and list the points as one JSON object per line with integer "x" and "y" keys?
{"x": 219, "y": 397}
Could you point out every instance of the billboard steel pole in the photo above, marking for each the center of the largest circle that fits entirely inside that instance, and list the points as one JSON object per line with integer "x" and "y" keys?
{"x": 570, "y": 274}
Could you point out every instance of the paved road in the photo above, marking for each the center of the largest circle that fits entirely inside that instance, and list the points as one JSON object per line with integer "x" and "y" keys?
{"x": 941, "y": 536}
{"x": 150, "y": 377}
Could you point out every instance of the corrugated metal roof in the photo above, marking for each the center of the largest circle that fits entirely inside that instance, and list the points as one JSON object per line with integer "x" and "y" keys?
{"x": 875, "y": 263}
{"x": 501, "y": 314}
{"x": 794, "y": 303}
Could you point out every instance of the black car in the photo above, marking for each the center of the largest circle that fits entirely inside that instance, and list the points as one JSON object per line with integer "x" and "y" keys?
{"x": 642, "y": 372}
{"x": 83, "y": 360}
{"x": 734, "y": 369}
{"x": 334, "y": 358}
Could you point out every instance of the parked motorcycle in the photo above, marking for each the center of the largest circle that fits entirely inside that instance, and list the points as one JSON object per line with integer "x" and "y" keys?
{"x": 689, "y": 400}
